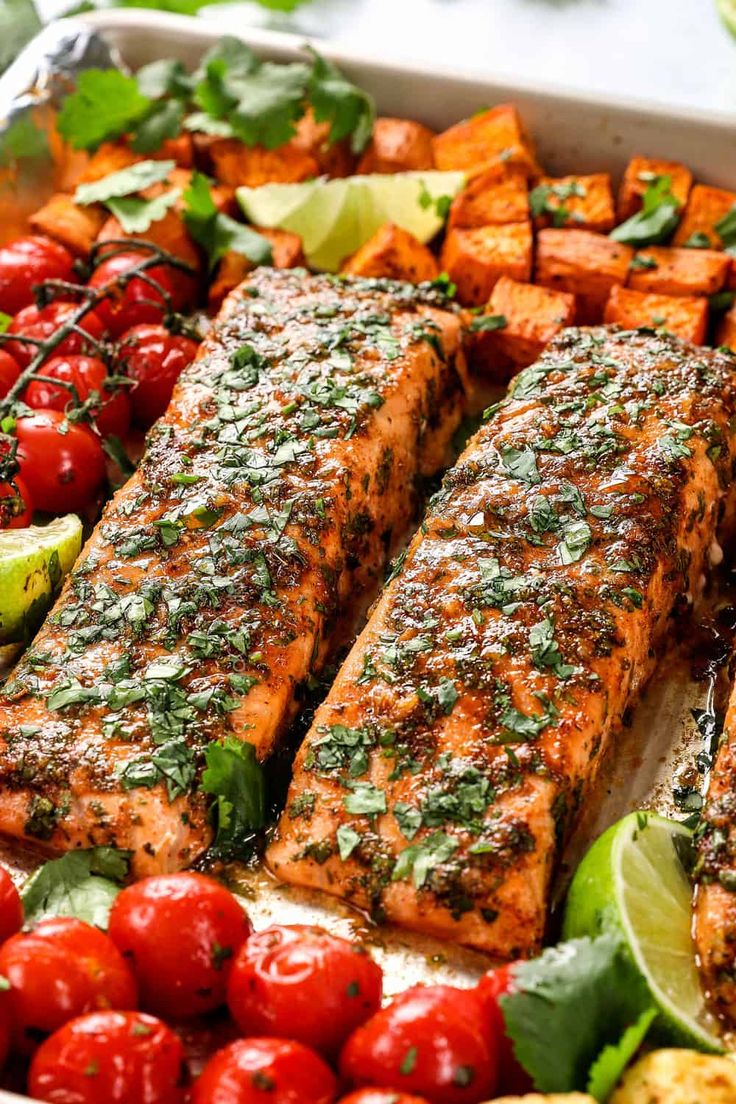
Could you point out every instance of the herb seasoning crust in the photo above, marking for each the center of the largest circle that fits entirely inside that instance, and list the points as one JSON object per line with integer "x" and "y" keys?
{"x": 461, "y": 737}
{"x": 220, "y": 576}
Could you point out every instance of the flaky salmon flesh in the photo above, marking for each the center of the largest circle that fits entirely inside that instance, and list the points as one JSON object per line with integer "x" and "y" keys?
{"x": 269, "y": 499}
{"x": 463, "y": 733}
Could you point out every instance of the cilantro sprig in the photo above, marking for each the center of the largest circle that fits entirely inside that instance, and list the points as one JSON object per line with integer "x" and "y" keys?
{"x": 81, "y": 883}
{"x": 217, "y": 233}
{"x": 658, "y": 217}
{"x": 234, "y": 778}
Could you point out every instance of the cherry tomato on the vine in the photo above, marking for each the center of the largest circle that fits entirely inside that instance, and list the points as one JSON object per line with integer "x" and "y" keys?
{"x": 431, "y": 1040}
{"x": 265, "y": 1071}
{"x": 381, "y": 1096}
{"x": 282, "y": 974}
{"x": 16, "y": 505}
{"x": 180, "y": 933}
{"x": 154, "y": 359}
{"x": 495, "y": 984}
{"x": 29, "y": 261}
{"x": 9, "y": 372}
{"x": 61, "y": 969}
{"x": 87, "y": 374}
{"x": 62, "y": 463}
{"x": 41, "y": 323}
{"x": 11, "y": 907}
{"x": 110, "y": 1058}
{"x": 142, "y": 298}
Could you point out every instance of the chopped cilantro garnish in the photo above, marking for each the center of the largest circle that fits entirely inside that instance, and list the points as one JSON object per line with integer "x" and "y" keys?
{"x": 658, "y": 217}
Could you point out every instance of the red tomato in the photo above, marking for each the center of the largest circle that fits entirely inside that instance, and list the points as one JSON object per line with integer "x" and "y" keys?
{"x": 62, "y": 464}
{"x": 87, "y": 374}
{"x": 16, "y": 506}
{"x": 138, "y": 301}
{"x": 9, "y": 372}
{"x": 380, "y": 1096}
{"x": 59, "y": 970}
{"x": 513, "y": 1078}
{"x": 265, "y": 1071}
{"x": 11, "y": 909}
{"x": 431, "y": 1041}
{"x": 155, "y": 359}
{"x": 180, "y": 933}
{"x": 26, "y": 262}
{"x": 43, "y": 322}
{"x": 110, "y": 1058}
{"x": 283, "y": 973}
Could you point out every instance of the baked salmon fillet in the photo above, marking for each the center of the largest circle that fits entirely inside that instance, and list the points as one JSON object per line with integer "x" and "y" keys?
{"x": 269, "y": 499}
{"x": 449, "y": 761}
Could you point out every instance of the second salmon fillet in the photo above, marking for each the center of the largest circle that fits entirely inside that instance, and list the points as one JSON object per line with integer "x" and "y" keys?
{"x": 461, "y": 737}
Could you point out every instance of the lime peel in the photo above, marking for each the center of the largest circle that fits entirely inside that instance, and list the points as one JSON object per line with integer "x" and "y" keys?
{"x": 33, "y": 561}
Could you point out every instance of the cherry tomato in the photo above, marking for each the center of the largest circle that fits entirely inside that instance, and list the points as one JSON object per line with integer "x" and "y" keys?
{"x": 180, "y": 933}
{"x": 155, "y": 359}
{"x": 9, "y": 372}
{"x": 59, "y": 970}
{"x": 512, "y": 1076}
{"x": 381, "y": 1096}
{"x": 431, "y": 1041}
{"x": 26, "y": 262}
{"x": 87, "y": 374}
{"x": 62, "y": 464}
{"x": 110, "y": 1058}
{"x": 283, "y": 973}
{"x": 11, "y": 908}
{"x": 139, "y": 300}
{"x": 265, "y": 1071}
{"x": 43, "y": 322}
{"x": 16, "y": 506}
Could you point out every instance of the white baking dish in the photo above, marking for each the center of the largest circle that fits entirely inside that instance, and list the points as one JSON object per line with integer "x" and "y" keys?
{"x": 573, "y": 134}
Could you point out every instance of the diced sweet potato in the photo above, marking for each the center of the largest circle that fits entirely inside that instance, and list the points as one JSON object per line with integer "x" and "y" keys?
{"x": 109, "y": 158}
{"x": 639, "y": 174}
{"x": 476, "y": 259}
{"x": 74, "y": 226}
{"x": 669, "y": 271}
{"x": 395, "y": 253}
{"x": 491, "y": 137}
{"x": 236, "y": 164}
{"x": 397, "y": 145}
{"x": 726, "y": 330}
{"x": 336, "y": 159}
{"x": 532, "y": 314}
{"x": 179, "y": 149}
{"x": 580, "y": 202}
{"x": 585, "y": 264}
{"x": 685, "y": 316}
{"x": 169, "y": 234}
{"x": 493, "y": 197}
{"x": 287, "y": 252}
{"x": 705, "y": 208}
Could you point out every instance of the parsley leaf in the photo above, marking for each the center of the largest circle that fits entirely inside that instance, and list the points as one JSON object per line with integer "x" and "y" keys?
{"x": 657, "y": 218}
{"x": 81, "y": 883}
{"x": 218, "y": 233}
{"x": 349, "y": 110}
{"x": 105, "y": 105}
{"x": 125, "y": 182}
{"x": 235, "y": 778}
{"x": 136, "y": 214}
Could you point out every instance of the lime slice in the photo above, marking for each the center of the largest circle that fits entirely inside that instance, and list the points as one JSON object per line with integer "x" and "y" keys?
{"x": 335, "y": 217}
{"x": 727, "y": 12}
{"x": 33, "y": 562}
{"x": 632, "y": 882}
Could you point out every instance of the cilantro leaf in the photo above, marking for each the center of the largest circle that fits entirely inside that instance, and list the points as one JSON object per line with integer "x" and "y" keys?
{"x": 726, "y": 230}
{"x": 268, "y": 103}
{"x": 124, "y": 182}
{"x": 348, "y": 109}
{"x": 658, "y": 217}
{"x": 164, "y": 121}
{"x": 135, "y": 214}
{"x": 570, "y": 1003}
{"x": 520, "y": 464}
{"x": 166, "y": 77}
{"x": 218, "y": 233}
{"x": 105, "y": 105}
{"x": 81, "y": 883}
{"x": 615, "y": 1057}
{"x": 420, "y": 859}
{"x": 234, "y": 777}
{"x": 487, "y": 323}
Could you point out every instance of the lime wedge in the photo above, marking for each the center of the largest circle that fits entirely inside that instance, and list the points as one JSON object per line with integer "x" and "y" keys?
{"x": 727, "y": 12}
{"x": 33, "y": 562}
{"x": 336, "y": 217}
{"x": 632, "y": 882}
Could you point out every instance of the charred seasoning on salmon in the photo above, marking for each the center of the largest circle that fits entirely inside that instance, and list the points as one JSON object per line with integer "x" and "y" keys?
{"x": 270, "y": 496}
{"x": 462, "y": 734}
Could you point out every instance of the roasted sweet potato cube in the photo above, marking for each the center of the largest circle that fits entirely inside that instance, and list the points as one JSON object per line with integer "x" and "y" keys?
{"x": 640, "y": 172}
{"x": 109, "y": 158}
{"x": 685, "y": 316}
{"x": 585, "y": 264}
{"x": 493, "y": 197}
{"x": 476, "y": 259}
{"x": 726, "y": 329}
{"x": 671, "y": 271}
{"x": 235, "y": 164}
{"x": 168, "y": 233}
{"x": 286, "y": 249}
{"x": 74, "y": 226}
{"x": 705, "y": 209}
{"x": 179, "y": 149}
{"x": 580, "y": 202}
{"x": 397, "y": 145}
{"x": 395, "y": 253}
{"x": 334, "y": 159}
{"x": 527, "y": 316}
{"x": 491, "y": 137}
